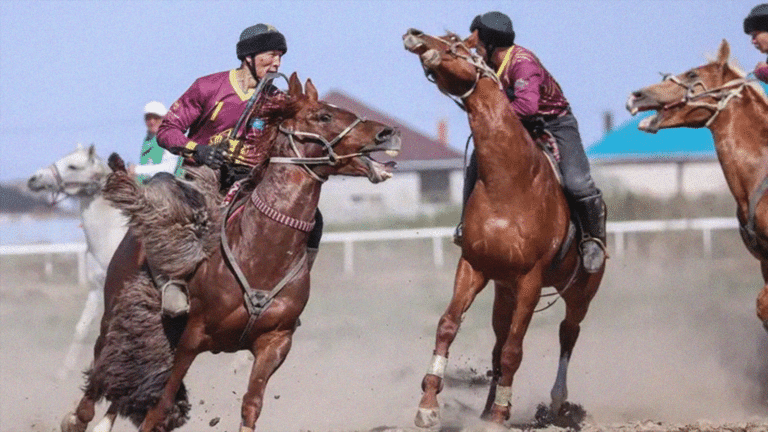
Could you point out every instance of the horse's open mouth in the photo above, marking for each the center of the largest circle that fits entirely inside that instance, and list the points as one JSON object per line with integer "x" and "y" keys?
{"x": 651, "y": 123}
{"x": 378, "y": 171}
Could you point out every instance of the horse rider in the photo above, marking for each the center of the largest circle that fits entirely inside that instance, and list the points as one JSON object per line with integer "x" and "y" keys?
{"x": 756, "y": 25}
{"x": 198, "y": 125}
{"x": 537, "y": 98}
{"x": 153, "y": 158}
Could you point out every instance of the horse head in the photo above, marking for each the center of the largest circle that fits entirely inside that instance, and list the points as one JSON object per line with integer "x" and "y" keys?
{"x": 328, "y": 140}
{"x": 448, "y": 61}
{"x": 81, "y": 172}
{"x": 691, "y": 99}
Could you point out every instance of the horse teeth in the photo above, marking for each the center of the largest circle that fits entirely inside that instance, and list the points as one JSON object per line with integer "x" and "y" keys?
{"x": 392, "y": 153}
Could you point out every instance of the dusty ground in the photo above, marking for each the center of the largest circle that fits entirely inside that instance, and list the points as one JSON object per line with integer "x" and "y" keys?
{"x": 671, "y": 344}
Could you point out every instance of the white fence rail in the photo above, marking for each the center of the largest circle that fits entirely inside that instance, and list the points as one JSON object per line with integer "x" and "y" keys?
{"x": 48, "y": 250}
{"x": 348, "y": 239}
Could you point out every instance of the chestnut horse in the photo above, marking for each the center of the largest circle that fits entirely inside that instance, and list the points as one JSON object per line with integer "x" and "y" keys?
{"x": 267, "y": 237}
{"x": 735, "y": 109}
{"x": 517, "y": 231}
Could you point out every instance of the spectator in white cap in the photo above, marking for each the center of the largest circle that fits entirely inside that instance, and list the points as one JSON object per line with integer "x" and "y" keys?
{"x": 153, "y": 158}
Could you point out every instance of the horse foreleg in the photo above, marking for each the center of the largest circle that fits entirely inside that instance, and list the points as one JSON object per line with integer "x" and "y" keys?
{"x": 503, "y": 305}
{"x": 186, "y": 351}
{"x": 762, "y": 298}
{"x": 81, "y": 331}
{"x": 527, "y": 292}
{"x": 468, "y": 284}
{"x": 577, "y": 300}
{"x": 270, "y": 350}
{"x": 78, "y": 420}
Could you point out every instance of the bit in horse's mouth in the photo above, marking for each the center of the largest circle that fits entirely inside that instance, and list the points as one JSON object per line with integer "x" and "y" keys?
{"x": 378, "y": 171}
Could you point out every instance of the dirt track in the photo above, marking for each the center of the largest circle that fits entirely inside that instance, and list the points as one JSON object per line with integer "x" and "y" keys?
{"x": 671, "y": 340}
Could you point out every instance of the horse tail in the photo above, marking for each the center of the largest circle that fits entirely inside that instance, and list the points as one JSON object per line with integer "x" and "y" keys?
{"x": 135, "y": 363}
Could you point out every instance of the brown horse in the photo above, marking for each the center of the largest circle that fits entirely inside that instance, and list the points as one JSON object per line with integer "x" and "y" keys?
{"x": 517, "y": 231}
{"x": 267, "y": 236}
{"x": 718, "y": 96}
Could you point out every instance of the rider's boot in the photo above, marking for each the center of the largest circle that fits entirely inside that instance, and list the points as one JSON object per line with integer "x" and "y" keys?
{"x": 174, "y": 298}
{"x": 591, "y": 212}
{"x": 311, "y": 255}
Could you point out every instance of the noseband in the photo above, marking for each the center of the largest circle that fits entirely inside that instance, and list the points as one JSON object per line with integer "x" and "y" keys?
{"x": 723, "y": 94}
{"x": 481, "y": 70}
{"x": 59, "y": 191}
{"x": 331, "y": 158}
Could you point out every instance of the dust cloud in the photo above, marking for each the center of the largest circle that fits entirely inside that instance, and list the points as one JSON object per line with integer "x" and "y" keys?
{"x": 671, "y": 338}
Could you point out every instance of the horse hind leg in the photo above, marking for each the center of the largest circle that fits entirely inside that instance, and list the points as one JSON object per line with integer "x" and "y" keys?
{"x": 577, "y": 300}
{"x": 469, "y": 283}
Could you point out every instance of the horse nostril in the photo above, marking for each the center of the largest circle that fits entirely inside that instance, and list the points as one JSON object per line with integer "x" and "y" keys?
{"x": 414, "y": 32}
{"x": 384, "y": 135}
{"x": 637, "y": 94}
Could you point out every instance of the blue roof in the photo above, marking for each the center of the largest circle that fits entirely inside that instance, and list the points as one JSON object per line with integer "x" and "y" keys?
{"x": 628, "y": 142}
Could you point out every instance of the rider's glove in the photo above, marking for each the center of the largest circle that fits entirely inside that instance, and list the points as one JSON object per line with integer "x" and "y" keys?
{"x": 211, "y": 156}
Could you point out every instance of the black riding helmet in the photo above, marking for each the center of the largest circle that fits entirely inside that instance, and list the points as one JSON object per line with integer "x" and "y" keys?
{"x": 494, "y": 29}
{"x": 757, "y": 20}
{"x": 260, "y": 38}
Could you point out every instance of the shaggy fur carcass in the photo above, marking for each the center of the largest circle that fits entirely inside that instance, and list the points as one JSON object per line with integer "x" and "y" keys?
{"x": 135, "y": 363}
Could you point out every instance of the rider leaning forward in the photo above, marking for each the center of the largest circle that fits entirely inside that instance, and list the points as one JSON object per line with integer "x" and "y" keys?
{"x": 756, "y": 25}
{"x": 535, "y": 96}
{"x": 198, "y": 125}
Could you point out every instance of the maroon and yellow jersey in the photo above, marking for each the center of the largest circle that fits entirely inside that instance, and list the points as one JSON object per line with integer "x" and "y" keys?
{"x": 536, "y": 91}
{"x": 206, "y": 114}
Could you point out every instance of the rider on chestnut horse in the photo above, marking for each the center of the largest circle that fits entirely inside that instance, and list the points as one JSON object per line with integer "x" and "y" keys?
{"x": 756, "y": 25}
{"x": 214, "y": 106}
{"x": 538, "y": 100}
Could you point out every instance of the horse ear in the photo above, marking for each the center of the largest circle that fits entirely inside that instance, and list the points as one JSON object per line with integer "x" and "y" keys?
{"x": 78, "y": 146}
{"x": 723, "y": 53}
{"x": 91, "y": 151}
{"x": 294, "y": 85}
{"x": 310, "y": 89}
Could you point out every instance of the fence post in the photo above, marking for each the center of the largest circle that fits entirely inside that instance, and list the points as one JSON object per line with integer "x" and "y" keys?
{"x": 349, "y": 256}
{"x": 707, "y": 239}
{"x": 81, "y": 274}
{"x": 619, "y": 242}
{"x": 437, "y": 251}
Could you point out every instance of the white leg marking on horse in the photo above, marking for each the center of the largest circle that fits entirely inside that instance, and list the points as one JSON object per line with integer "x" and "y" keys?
{"x": 427, "y": 418}
{"x": 503, "y": 395}
{"x": 559, "y": 391}
{"x": 105, "y": 425}
{"x": 437, "y": 366}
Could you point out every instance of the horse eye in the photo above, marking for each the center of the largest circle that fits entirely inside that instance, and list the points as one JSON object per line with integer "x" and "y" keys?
{"x": 325, "y": 118}
{"x": 691, "y": 74}
{"x": 73, "y": 167}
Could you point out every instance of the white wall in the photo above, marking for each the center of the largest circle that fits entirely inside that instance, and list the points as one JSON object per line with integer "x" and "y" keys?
{"x": 662, "y": 180}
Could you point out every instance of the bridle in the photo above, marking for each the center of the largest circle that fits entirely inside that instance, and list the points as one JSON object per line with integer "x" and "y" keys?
{"x": 59, "y": 190}
{"x": 331, "y": 158}
{"x": 722, "y": 94}
{"x": 481, "y": 70}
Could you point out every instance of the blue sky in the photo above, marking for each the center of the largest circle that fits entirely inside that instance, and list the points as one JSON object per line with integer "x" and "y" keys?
{"x": 81, "y": 71}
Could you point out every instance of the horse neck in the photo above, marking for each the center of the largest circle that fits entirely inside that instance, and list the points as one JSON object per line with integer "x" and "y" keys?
{"x": 502, "y": 146}
{"x": 290, "y": 190}
{"x": 740, "y": 133}
{"x": 103, "y": 225}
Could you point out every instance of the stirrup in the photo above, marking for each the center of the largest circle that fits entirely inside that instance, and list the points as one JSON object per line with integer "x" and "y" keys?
{"x": 594, "y": 262}
{"x": 175, "y": 298}
{"x": 458, "y": 234}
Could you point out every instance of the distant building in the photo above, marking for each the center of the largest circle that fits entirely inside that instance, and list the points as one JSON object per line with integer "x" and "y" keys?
{"x": 428, "y": 178}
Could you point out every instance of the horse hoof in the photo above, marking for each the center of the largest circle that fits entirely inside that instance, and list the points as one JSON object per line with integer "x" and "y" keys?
{"x": 427, "y": 418}
{"x": 71, "y": 423}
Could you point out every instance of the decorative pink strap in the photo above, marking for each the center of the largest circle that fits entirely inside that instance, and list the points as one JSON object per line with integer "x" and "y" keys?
{"x": 279, "y": 217}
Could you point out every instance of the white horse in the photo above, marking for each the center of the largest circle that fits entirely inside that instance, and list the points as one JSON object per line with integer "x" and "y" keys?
{"x": 81, "y": 175}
